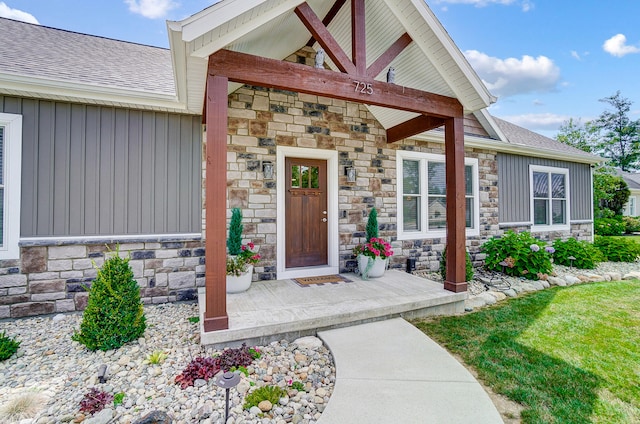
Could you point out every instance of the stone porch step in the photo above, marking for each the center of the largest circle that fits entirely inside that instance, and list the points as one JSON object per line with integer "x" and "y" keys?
{"x": 276, "y": 310}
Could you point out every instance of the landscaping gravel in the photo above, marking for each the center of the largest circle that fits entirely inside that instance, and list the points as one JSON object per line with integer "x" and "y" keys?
{"x": 62, "y": 371}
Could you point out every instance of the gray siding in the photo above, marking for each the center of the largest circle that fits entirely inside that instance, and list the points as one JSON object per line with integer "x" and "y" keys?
{"x": 98, "y": 171}
{"x": 514, "y": 191}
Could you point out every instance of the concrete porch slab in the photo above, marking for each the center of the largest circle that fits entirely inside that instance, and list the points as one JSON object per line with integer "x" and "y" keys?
{"x": 276, "y": 310}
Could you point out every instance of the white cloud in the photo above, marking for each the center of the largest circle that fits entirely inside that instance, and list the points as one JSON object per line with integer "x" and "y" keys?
{"x": 511, "y": 76}
{"x": 617, "y": 46}
{"x": 527, "y": 5}
{"x": 151, "y": 9}
{"x": 538, "y": 102}
{"x": 575, "y": 55}
{"x": 18, "y": 15}
{"x": 538, "y": 121}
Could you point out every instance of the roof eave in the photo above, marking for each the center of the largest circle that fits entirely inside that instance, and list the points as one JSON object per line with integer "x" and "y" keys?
{"x": 29, "y": 86}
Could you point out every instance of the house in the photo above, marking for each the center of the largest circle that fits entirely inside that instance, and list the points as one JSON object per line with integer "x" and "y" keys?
{"x": 104, "y": 144}
{"x": 633, "y": 181}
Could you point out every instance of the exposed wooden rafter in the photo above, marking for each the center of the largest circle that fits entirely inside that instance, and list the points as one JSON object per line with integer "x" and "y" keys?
{"x": 414, "y": 126}
{"x": 387, "y": 57}
{"x": 324, "y": 37}
{"x": 255, "y": 70}
{"x": 328, "y": 18}
{"x": 358, "y": 37}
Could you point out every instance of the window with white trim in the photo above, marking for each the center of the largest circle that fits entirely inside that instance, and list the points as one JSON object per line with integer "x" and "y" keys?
{"x": 422, "y": 206}
{"x": 632, "y": 206}
{"x": 10, "y": 166}
{"x": 549, "y": 198}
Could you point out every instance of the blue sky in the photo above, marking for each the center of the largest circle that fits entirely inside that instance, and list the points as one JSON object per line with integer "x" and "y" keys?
{"x": 546, "y": 60}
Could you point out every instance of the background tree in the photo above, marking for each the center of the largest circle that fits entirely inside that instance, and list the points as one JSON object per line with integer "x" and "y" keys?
{"x": 610, "y": 193}
{"x": 619, "y": 135}
{"x": 581, "y": 136}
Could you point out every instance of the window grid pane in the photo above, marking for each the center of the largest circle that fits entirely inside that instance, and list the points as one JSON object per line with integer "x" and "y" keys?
{"x": 411, "y": 213}
{"x": 540, "y": 184}
{"x": 558, "y": 208}
{"x": 558, "y": 186}
{"x": 540, "y": 212}
{"x": 2, "y": 156}
{"x": 436, "y": 178}
{"x": 437, "y": 212}
{"x": 410, "y": 177}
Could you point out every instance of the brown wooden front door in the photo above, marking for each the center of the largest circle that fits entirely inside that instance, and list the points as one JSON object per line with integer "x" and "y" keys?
{"x": 306, "y": 212}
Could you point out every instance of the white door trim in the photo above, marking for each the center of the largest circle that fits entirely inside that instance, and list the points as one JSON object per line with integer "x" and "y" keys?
{"x": 331, "y": 157}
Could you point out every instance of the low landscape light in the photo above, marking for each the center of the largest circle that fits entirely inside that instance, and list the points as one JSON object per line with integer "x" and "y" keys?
{"x": 227, "y": 380}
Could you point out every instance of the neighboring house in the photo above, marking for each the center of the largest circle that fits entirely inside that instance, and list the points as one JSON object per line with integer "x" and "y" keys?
{"x": 633, "y": 181}
{"x": 102, "y": 143}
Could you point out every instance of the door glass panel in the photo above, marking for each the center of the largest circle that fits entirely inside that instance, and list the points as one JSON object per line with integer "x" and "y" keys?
{"x": 540, "y": 208}
{"x": 557, "y": 186}
{"x": 304, "y": 176}
{"x": 295, "y": 176}
{"x": 468, "y": 213}
{"x": 437, "y": 213}
{"x": 411, "y": 177}
{"x": 411, "y": 213}
{"x": 540, "y": 184}
{"x": 557, "y": 211}
{"x": 436, "y": 178}
{"x": 314, "y": 177}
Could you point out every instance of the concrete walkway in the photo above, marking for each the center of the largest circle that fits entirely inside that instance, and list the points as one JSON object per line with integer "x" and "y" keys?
{"x": 390, "y": 372}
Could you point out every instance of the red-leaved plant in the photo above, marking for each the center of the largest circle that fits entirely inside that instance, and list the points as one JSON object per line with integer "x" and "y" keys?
{"x": 95, "y": 401}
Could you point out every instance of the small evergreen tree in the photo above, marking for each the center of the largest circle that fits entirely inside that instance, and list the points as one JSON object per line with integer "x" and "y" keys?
{"x": 234, "y": 241}
{"x": 114, "y": 313}
{"x": 468, "y": 266}
{"x": 372, "y": 224}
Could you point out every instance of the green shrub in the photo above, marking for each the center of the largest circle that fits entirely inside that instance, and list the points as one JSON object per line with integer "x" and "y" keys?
{"x": 114, "y": 313}
{"x": 8, "y": 346}
{"x": 608, "y": 227}
{"x": 631, "y": 224}
{"x": 234, "y": 241}
{"x": 372, "y": 224}
{"x": 270, "y": 393}
{"x": 586, "y": 254}
{"x": 298, "y": 385}
{"x": 524, "y": 255}
{"x": 618, "y": 249}
{"x": 468, "y": 267}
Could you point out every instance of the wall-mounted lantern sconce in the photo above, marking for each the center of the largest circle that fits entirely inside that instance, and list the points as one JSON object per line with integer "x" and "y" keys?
{"x": 350, "y": 172}
{"x": 267, "y": 170}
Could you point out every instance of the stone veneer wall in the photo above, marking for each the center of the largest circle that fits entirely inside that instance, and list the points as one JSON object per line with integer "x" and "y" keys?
{"x": 52, "y": 279}
{"x": 580, "y": 231}
{"x": 261, "y": 119}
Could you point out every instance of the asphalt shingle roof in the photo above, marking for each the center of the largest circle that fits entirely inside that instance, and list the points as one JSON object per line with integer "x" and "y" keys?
{"x": 43, "y": 52}
{"x": 522, "y": 136}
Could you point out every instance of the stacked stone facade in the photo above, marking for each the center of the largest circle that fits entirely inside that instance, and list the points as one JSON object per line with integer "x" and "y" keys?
{"x": 51, "y": 279}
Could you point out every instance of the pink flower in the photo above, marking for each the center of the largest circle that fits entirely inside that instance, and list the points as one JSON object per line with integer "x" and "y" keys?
{"x": 251, "y": 245}
{"x": 244, "y": 247}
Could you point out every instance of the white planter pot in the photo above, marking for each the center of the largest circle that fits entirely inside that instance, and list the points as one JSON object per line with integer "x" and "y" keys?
{"x": 377, "y": 269}
{"x": 240, "y": 283}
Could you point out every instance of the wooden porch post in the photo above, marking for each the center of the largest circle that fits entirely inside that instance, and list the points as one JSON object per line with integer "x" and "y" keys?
{"x": 456, "y": 244}
{"x": 215, "y": 315}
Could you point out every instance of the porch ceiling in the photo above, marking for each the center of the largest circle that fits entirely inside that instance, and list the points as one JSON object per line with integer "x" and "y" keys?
{"x": 270, "y": 28}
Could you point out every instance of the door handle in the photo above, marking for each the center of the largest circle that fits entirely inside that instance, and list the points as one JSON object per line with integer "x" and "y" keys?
{"x": 324, "y": 219}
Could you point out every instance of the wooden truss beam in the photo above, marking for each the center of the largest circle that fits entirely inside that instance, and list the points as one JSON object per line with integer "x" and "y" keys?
{"x": 254, "y": 70}
{"x": 327, "y": 19}
{"x": 387, "y": 57}
{"x": 414, "y": 126}
{"x": 324, "y": 37}
{"x": 358, "y": 37}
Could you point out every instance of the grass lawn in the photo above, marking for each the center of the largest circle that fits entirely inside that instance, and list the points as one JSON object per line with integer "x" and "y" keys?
{"x": 634, "y": 238}
{"x": 568, "y": 355}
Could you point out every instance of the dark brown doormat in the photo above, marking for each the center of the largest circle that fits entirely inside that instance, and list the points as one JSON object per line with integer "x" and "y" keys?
{"x": 323, "y": 279}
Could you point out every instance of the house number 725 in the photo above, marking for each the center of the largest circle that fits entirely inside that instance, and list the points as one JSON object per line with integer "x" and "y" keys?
{"x": 364, "y": 88}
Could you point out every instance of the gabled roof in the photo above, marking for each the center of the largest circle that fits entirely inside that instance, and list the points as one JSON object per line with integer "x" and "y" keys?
{"x": 534, "y": 144}
{"x": 38, "y": 61}
{"x": 270, "y": 28}
{"x": 632, "y": 179}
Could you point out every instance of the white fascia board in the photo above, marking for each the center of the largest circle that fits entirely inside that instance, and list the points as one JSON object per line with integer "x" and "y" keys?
{"x": 489, "y": 124}
{"x": 178, "y": 61}
{"x": 204, "y": 21}
{"x": 516, "y": 149}
{"x": 454, "y": 52}
{"x": 241, "y": 30}
{"x": 37, "y": 86}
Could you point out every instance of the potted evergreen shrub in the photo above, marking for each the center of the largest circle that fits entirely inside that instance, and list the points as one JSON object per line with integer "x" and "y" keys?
{"x": 241, "y": 258}
{"x": 373, "y": 256}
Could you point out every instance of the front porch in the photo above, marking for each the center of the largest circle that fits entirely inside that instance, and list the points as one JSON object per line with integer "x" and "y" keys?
{"x": 275, "y": 310}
